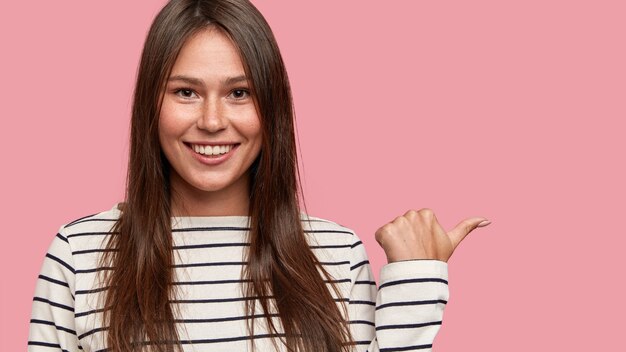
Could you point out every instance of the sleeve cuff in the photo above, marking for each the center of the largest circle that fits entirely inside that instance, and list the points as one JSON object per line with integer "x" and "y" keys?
{"x": 414, "y": 268}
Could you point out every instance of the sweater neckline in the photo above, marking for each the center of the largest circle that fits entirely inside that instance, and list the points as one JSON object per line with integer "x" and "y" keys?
{"x": 202, "y": 221}
{"x": 208, "y": 221}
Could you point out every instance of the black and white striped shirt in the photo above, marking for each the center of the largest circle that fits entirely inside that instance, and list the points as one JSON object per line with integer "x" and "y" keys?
{"x": 403, "y": 314}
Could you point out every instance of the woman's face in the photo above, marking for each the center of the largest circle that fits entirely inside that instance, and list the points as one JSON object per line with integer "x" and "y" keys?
{"x": 208, "y": 127}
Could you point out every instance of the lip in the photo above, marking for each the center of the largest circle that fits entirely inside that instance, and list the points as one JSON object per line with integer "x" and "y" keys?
{"x": 212, "y": 160}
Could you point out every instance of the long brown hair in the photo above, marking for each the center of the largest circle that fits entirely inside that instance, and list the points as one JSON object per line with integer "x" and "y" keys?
{"x": 280, "y": 262}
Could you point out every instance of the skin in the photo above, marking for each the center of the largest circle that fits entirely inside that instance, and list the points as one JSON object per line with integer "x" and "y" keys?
{"x": 200, "y": 105}
{"x": 418, "y": 235}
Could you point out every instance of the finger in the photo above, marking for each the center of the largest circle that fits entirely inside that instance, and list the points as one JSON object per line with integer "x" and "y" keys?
{"x": 463, "y": 228}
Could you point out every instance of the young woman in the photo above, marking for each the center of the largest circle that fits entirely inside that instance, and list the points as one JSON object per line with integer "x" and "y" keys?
{"x": 210, "y": 251}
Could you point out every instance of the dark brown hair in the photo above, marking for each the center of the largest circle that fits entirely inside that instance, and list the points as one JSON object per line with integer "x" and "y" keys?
{"x": 280, "y": 262}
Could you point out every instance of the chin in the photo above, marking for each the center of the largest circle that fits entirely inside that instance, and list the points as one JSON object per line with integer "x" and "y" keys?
{"x": 209, "y": 187}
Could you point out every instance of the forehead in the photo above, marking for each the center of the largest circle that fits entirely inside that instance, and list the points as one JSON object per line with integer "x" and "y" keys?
{"x": 208, "y": 54}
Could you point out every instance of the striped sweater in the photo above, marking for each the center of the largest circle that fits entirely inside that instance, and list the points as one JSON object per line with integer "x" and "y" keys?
{"x": 403, "y": 313}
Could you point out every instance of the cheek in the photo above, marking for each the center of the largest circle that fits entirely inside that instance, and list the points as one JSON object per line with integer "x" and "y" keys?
{"x": 169, "y": 131}
{"x": 254, "y": 134}
{"x": 251, "y": 126}
{"x": 166, "y": 127}
{"x": 171, "y": 123}
{"x": 255, "y": 130}
{"x": 164, "y": 132}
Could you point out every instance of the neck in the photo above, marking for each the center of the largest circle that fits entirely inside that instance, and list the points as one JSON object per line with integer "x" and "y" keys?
{"x": 187, "y": 200}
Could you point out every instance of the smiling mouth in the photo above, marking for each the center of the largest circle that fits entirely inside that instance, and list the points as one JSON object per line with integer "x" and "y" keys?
{"x": 208, "y": 150}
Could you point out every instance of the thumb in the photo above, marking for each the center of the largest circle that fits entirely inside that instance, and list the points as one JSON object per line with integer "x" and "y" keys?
{"x": 462, "y": 229}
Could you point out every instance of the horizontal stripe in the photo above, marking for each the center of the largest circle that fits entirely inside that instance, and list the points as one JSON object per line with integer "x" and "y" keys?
{"x": 411, "y": 303}
{"x": 205, "y": 245}
{"x": 89, "y": 312}
{"x": 88, "y": 220}
{"x": 83, "y": 234}
{"x": 218, "y": 300}
{"x": 63, "y": 238}
{"x": 345, "y": 262}
{"x": 211, "y": 245}
{"x": 370, "y": 303}
{"x": 79, "y": 219}
{"x": 46, "y": 344}
{"x": 195, "y": 321}
{"x": 191, "y": 265}
{"x": 54, "y": 281}
{"x": 210, "y": 228}
{"x": 359, "y": 264}
{"x": 88, "y": 271}
{"x": 410, "y": 281}
{"x": 95, "y": 290}
{"x": 407, "y": 326}
{"x": 220, "y": 320}
{"x": 330, "y": 246}
{"x": 88, "y": 251}
{"x": 236, "y": 281}
{"x": 328, "y": 231}
{"x": 366, "y": 322}
{"x": 407, "y": 348}
{"x": 91, "y": 332}
{"x": 194, "y": 283}
{"x": 212, "y": 282}
{"x": 54, "y": 304}
{"x": 50, "y": 323}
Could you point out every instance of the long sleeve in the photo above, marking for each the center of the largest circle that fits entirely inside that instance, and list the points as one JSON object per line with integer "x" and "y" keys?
{"x": 52, "y": 315}
{"x": 405, "y": 312}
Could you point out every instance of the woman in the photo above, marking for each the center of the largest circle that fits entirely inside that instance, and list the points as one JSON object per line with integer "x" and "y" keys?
{"x": 210, "y": 251}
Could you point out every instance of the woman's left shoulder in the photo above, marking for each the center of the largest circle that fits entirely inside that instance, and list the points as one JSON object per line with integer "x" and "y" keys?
{"x": 327, "y": 231}
{"x": 316, "y": 223}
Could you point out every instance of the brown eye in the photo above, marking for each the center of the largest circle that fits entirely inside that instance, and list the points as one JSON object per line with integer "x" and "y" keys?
{"x": 239, "y": 94}
{"x": 185, "y": 93}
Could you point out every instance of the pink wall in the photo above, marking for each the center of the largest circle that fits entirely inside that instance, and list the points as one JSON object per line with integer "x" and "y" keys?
{"x": 509, "y": 110}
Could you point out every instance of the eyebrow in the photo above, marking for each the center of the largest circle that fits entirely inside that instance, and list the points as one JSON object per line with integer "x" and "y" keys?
{"x": 237, "y": 79}
{"x": 199, "y": 82}
{"x": 186, "y": 79}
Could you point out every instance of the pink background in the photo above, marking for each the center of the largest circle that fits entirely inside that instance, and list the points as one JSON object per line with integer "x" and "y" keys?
{"x": 509, "y": 110}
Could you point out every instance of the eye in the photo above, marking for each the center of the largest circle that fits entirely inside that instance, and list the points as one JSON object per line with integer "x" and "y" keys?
{"x": 240, "y": 94}
{"x": 185, "y": 93}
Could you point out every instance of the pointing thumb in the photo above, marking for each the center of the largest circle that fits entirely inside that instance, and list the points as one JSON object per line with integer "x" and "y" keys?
{"x": 462, "y": 229}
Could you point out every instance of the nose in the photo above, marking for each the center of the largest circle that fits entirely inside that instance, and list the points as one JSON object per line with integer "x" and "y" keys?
{"x": 213, "y": 117}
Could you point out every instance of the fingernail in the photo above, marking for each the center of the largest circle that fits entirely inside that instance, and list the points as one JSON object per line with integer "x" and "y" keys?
{"x": 484, "y": 223}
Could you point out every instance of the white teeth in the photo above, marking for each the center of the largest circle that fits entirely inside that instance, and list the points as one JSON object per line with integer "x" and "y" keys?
{"x": 208, "y": 150}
